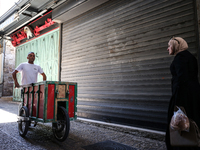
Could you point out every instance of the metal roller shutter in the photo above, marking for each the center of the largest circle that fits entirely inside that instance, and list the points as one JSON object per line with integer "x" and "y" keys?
{"x": 117, "y": 53}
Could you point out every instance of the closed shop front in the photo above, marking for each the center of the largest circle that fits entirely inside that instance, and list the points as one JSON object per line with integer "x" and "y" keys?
{"x": 117, "y": 53}
{"x": 46, "y": 55}
{"x": 45, "y": 45}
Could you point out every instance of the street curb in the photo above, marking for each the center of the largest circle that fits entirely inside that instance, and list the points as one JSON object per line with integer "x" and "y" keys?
{"x": 147, "y": 133}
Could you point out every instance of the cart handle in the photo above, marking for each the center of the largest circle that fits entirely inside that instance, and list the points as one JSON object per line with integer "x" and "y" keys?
{"x": 38, "y": 91}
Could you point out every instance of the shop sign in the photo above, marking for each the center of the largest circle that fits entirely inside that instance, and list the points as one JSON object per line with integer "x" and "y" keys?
{"x": 27, "y": 32}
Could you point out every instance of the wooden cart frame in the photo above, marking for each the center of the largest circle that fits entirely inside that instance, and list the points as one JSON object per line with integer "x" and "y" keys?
{"x": 48, "y": 101}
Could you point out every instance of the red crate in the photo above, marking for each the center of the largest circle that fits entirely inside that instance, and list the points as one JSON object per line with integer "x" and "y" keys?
{"x": 43, "y": 98}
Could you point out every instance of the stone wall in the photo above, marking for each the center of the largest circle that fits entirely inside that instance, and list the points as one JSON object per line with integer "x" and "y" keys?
{"x": 1, "y": 51}
{"x": 9, "y": 66}
{"x": 1, "y": 46}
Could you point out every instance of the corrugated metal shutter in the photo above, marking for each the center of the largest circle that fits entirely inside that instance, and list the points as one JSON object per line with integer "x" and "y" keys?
{"x": 118, "y": 55}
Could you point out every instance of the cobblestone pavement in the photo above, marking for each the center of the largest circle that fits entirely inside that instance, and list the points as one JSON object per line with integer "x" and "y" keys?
{"x": 82, "y": 133}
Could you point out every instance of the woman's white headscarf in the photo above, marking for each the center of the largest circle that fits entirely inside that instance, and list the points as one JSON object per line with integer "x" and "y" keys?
{"x": 179, "y": 44}
{"x": 183, "y": 44}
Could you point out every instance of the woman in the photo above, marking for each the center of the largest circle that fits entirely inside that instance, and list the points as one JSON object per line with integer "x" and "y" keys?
{"x": 184, "y": 84}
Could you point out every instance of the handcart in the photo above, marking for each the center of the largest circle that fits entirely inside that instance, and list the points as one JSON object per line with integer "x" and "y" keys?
{"x": 48, "y": 101}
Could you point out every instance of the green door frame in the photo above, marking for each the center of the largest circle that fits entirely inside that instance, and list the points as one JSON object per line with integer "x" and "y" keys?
{"x": 46, "y": 49}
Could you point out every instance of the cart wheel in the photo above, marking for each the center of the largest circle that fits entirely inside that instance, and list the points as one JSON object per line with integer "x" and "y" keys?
{"x": 62, "y": 126}
{"x": 23, "y": 125}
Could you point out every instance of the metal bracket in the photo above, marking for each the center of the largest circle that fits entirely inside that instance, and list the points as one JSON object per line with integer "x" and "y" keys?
{"x": 20, "y": 118}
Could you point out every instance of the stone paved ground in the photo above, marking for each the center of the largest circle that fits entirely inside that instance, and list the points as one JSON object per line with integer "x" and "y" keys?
{"x": 82, "y": 133}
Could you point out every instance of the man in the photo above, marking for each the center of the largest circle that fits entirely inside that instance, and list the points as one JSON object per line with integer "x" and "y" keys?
{"x": 29, "y": 71}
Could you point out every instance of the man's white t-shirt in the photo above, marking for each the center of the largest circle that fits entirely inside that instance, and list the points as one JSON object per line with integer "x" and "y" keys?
{"x": 29, "y": 72}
